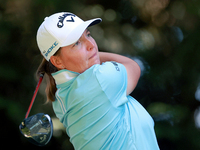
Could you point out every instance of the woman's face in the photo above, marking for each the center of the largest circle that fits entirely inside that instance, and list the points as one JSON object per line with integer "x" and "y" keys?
{"x": 81, "y": 55}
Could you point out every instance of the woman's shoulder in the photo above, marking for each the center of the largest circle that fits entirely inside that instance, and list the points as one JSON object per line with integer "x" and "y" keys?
{"x": 107, "y": 72}
{"x": 109, "y": 67}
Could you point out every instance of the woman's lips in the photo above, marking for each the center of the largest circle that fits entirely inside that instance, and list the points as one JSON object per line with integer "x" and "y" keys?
{"x": 93, "y": 55}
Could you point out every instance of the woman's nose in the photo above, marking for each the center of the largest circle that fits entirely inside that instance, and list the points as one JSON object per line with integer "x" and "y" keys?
{"x": 89, "y": 44}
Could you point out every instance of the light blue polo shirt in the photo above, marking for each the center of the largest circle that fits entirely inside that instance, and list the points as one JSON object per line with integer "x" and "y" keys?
{"x": 96, "y": 112}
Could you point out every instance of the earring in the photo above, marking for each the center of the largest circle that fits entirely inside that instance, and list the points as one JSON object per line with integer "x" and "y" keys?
{"x": 62, "y": 67}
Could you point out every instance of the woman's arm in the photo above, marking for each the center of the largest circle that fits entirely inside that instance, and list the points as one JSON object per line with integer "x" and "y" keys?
{"x": 132, "y": 68}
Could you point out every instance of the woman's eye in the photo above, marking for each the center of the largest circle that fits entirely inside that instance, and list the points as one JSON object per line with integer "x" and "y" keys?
{"x": 76, "y": 43}
{"x": 88, "y": 34}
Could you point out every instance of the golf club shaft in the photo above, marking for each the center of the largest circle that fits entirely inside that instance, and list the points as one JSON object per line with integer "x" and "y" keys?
{"x": 34, "y": 95}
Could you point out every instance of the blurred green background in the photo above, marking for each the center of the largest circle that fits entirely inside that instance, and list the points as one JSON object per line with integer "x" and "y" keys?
{"x": 163, "y": 36}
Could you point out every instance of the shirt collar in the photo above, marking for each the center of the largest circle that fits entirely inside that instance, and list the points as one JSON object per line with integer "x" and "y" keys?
{"x": 63, "y": 76}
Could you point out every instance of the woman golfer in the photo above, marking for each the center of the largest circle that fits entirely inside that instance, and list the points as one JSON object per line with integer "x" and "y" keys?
{"x": 90, "y": 90}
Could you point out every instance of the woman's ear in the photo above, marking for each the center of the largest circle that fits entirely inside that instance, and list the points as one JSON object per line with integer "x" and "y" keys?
{"x": 55, "y": 60}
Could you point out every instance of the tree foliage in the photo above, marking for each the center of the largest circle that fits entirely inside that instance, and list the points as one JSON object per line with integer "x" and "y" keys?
{"x": 161, "y": 35}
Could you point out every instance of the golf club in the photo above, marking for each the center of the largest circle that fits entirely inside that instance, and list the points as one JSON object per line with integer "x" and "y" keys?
{"x": 38, "y": 129}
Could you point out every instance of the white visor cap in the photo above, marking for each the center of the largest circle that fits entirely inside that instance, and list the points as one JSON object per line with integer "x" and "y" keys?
{"x": 59, "y": 30}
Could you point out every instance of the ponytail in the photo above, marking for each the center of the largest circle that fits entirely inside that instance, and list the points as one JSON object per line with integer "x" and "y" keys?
{"x": 47, "y": 68}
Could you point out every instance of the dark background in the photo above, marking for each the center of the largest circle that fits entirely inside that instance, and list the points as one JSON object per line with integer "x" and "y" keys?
{"x": 163, "y": 36}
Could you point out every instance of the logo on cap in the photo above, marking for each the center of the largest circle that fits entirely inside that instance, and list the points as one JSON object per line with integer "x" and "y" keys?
{"x": 60, "y": 23}
{"x": 50, "y": 48}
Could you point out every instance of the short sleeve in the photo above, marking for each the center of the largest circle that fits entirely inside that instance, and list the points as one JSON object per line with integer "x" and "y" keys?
{"x": 112, "y": 77}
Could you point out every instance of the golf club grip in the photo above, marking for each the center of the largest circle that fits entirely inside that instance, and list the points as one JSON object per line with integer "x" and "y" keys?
{"x": 34, "y": 95}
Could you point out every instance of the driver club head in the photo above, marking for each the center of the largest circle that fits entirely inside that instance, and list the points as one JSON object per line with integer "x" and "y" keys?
{"x": 37, "y": 129}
